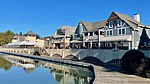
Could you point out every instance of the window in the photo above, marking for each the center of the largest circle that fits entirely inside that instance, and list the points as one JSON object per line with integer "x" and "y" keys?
{"x": 119, "y": 31}
{"x": 109, "y": 33}
{"x": 91, "y": 34}
{"x": 101, "y": 33}
{"x": 86, "y": 34}
{"x": 145, "y": 43}
{"x": 119, "y": 23}
{"x": 148, "y": 43}
{"x": 123, "y": 31}
{"x": 96, "y": 33}
{"x": 111, "y": 24}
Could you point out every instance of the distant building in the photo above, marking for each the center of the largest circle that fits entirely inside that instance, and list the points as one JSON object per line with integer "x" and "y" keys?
{"x": 61, "y": 39}
{"x": 29, "y": 36}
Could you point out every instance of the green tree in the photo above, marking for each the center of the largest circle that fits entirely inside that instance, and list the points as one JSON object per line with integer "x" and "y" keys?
{"x": 6, "y": 37}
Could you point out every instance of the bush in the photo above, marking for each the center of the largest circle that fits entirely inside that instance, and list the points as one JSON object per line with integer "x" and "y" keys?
{"x": 135, "y": 62}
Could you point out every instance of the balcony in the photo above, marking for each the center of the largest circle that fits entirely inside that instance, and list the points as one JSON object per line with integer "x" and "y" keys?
{"x": 56, "y": 41}
{"x": 87, "y": 38}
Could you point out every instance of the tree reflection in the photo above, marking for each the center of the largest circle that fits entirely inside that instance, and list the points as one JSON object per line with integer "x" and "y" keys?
{"x": 4, "y": 64}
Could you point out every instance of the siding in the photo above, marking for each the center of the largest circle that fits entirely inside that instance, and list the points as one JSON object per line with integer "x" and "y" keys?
{"x": 128, "y": 31}
{"x": 115, "y": 32}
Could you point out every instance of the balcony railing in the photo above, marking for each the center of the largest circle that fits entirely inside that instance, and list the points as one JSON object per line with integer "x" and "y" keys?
{"x": 95, "y": 37}
{"x": 56, "y": 41}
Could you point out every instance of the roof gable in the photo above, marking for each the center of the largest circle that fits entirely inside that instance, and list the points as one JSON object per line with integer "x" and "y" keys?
{"x": 30, "y": 33}
{"x": 130, "y": 21}
{"x": 94, "y": 25}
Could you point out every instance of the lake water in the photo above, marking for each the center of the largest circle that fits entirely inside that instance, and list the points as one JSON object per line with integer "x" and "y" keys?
{"x": 18, "y": 70}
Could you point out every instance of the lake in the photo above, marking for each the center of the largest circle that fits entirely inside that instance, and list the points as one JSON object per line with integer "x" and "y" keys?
{"x": 19, "y": 70}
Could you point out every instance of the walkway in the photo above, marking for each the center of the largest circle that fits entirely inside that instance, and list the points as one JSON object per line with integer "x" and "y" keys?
{"x": 114, "y": 75}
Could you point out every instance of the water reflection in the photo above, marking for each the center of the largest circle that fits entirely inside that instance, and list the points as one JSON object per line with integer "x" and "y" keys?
{"x": 4, "y": 64}
{"x": 63, "y": 74}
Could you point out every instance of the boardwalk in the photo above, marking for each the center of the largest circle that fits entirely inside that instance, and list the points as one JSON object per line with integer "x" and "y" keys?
{"x": 115, "y": 75}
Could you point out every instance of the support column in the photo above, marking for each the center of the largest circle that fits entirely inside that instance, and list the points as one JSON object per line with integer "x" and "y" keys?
{"x": 116, "y": 45}
{"x": 90, "y": 45}
{"x": 129, "y": 45}
{"x": 79, "y": 46}
{"x": 99, "y": 43}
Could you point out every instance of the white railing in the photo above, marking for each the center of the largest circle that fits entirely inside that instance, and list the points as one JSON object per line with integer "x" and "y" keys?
{"x": 56, "y": 41}
{"x": 95, "y": 37}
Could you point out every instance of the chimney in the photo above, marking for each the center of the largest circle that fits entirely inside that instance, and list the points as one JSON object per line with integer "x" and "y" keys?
{"x": 137, "y": 17}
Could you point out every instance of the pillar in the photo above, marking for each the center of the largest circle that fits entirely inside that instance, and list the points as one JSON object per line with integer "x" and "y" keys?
{"x": 99, "y": 43}
{"x": 129, "y": 45}
{"x": 90, "y": 45}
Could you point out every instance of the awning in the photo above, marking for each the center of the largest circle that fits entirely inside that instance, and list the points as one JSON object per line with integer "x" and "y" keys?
{"x": 28, "y": 43}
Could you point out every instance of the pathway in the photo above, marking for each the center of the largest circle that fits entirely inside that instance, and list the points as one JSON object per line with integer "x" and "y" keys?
{"x": 114, "y": 75}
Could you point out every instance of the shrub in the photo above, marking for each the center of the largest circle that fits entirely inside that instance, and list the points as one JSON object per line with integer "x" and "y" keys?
{"x": 134, "y": 62}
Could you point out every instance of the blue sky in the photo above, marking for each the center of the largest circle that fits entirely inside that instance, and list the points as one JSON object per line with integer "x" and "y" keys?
{"x": 45, "y": 16}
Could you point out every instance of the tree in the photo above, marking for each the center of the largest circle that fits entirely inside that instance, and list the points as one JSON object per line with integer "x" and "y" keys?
{"x": 6, "y": 37}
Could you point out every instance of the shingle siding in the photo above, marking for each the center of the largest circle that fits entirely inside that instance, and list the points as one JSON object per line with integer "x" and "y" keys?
{"x": 128, "y": 31}
{"x": 115, "y": 32}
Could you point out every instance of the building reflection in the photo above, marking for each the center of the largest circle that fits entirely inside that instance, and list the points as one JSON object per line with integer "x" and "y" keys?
{"x": 63, "y": 74}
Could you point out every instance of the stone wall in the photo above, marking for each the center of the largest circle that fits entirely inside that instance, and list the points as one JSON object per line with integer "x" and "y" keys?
{"x": 103, "y": 55}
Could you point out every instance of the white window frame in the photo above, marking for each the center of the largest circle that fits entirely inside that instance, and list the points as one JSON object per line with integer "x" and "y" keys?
{"x": 124, "y": 31}
{"x": 119, "y": 23}
{"x": 111, "y": 24}
{"x": 109, "y": 32}
{"x": 121, "y": 31}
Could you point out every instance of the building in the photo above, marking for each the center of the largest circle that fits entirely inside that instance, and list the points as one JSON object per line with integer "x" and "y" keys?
{"x": 119, "y": 31}
{"x": 145, "y": 39}
{"x": 87, "y": 34}
{"x": 30, "y": 37}
{"x": 122, "y": 32}
{"x": 61, "y": 39}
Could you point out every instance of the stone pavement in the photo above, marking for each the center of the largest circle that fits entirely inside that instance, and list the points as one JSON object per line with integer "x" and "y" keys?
{"x": 115, "y": 75}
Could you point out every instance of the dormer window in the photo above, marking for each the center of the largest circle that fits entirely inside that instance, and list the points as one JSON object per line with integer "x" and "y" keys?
{"x": 119, "y": 23}
{"x": 111, "y": 24}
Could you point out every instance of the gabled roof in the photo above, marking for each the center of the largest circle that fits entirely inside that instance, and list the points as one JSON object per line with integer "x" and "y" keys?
{"x": 94, "y": 25}
{"x": 69, "y": 29}
{"x": 15, "y": 37}
{"x": 21, "y": 38}
{"x": 130, "y": 21}
{"x": 30, "y": 33}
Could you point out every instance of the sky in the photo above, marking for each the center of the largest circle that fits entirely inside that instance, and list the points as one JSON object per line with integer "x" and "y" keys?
{"x": 44, "y": 17}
